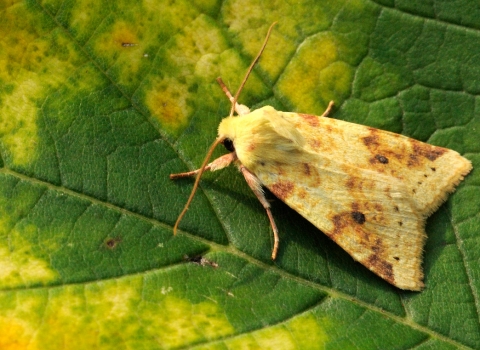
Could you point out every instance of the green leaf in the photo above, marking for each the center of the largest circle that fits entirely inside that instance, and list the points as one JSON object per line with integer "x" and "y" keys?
{"x": 101, "y": 101}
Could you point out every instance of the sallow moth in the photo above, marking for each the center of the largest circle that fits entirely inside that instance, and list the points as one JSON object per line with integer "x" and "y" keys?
{"x": 369, "y": 190}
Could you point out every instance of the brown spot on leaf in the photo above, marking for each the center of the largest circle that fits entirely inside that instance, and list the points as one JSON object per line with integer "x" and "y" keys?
{"x": 251, "y": 147}
{"x": 396, "y": 258}
{"x": 311, "y": 120}
{"x": 282, "y": 189}
{"x": 381, "y": 267}
{"x": 400, "y": 223}
{"x": 200, "y": 260}
{"x": 112, "y": 243}
{"x": 358, "y": 217}
{"x": 396, "y": 208}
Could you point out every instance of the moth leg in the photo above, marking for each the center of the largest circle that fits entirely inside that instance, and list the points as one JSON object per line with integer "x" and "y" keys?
{"x": 256, "y": 187}
{"x": 217, "y": 164}
{"x": 240, "y": 109}
{"x": 329, "y": 109}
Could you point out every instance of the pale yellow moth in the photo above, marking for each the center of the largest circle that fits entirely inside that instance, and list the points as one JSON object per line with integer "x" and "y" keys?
{"x": 369, "y": 190}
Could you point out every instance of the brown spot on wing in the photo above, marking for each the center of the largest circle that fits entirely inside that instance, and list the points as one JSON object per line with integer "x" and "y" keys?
{"x": 348, "y": 219}
{"x": 315, "y": 144}
{"x": 372, "y": 140}
{"x": 282, "y": 189}
{"x": 381, "y": 267}
{"x": 428, "y": 151}
{"x": 306, "y": 169}
{"x": 339, "y": 223}
{"x": 311, "y": 120}
{"x": 354, "y": 183}
{"x": 251, "y": 147}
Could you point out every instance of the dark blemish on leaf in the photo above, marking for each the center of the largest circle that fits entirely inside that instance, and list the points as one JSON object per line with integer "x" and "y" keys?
{"x": 200, "y": 260}
{"x": 396, "y": 258}
{"x": 112, "y": 243}
{"x": 358, "y": 217}
{"x": 419, "y": 182}
{"x": 414, "y": 191}
{"x": 400, "y": 223}
{"x": 262, "y": 163}
{"x": 433, "y": 169}
{"x": 396, "y": 208}
{"x": 425, "y": 175}
{"x": 381, "y": 159}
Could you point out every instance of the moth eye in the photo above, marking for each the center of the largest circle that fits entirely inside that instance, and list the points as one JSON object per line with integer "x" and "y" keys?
{"x": 229, "y": 145}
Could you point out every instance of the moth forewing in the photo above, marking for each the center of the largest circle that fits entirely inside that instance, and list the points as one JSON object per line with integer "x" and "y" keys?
{"x": 369, "y": 190}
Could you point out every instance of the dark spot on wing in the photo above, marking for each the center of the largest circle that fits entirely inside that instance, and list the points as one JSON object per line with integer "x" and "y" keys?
{"x": 381, "y": 159}
{"x": 358, "y": 217}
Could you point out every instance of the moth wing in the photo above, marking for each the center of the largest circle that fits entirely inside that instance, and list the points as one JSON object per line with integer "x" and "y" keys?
{"x": 429, "y": 172}
{"x": 371, "y": 216}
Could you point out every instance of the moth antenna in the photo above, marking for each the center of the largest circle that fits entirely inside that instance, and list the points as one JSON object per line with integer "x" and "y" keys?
{"x": 197, "y": 180}
{"x": 235, "y": 98}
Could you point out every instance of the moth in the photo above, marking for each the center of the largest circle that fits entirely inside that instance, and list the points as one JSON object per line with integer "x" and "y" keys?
{"x": 367, "y": 189}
